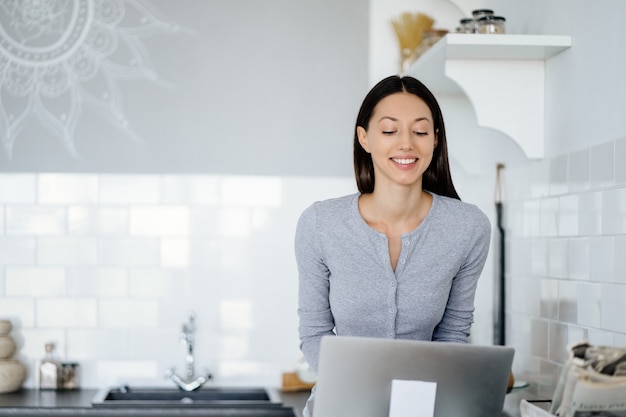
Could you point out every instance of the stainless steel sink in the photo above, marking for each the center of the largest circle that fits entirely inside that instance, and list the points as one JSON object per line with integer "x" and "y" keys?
{"x": 132, "y": 397}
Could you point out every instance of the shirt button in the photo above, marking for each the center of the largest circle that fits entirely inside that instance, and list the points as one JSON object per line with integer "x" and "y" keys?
{"x": 407, "y": 242}
{"x": 402, "y": 261}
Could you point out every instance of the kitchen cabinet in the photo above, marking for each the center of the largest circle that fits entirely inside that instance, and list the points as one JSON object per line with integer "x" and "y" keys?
{"x": 503, "y": 77}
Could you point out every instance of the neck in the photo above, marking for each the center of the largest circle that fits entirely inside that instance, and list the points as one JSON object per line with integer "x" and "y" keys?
{"x": 396, "y": 204}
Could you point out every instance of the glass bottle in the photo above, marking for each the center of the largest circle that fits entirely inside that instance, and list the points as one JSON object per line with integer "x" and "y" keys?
{"x": 50, "y": 370}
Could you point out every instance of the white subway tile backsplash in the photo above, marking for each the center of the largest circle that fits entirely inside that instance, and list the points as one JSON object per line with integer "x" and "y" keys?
{"x": 175, "y": 253}
{"x": 129, "y": 251}
{"x": 158, "y": 221}
{"x": 35, "y": 282}
{"x": 131, "y": 313}
{"x": 578, "y": 171}
{"x": 66, "y": 312}
{"x": 614, "y": 211}
{"x": 36, "y": 220}
{"x": 602, "y": 165}
{"x": 117, "y": 272}
{"x": 568, "y": 215}
{"x": 164, "y": 345}
{"x": 192, "y": 190}
{"x": 568, "y": 297}
{"x": 601, "y": 338}
{"x": 17, "y": 251}
{"x": 601, "y": 258}
{"x": 96, "y": 220}
{"x": 619, "y": 269}
{"x": 575, "y": 334}
{"x": 20, "y": 310}
{"x": 539, "y": 260}
{"x": 614, "y": 307}
{"x": 590, "y": 213}
{"x": 588, "y": 304}
{"x": 549, "y": 308}
{"x": 558, "y": 175}
{"x": 532, "y": 218}
{"x": 104, "y": 344}
{"x": 235, "y": 222}
{"x": 558, "y": 257}
{"x": 129, "y": 189}
{"x": 67, "y": 188}
{"x": 236, "y": 314}
{"x": 539, "y": 172}
{"x": 549, "y": 215}
{"x": 18, "y": 188}
{"x": 620, "y": 157}
{"x": 250, "y": 191}
{"x": 234, "y": 346}
{"x": 578, "y": 258}
{"x": 203, "y": 221}
{"x": 131, "y": 372}
{"x": 71, "y": 251}
{"x": 35, "y": 342}
{"x": 97, "y": 281}
{"x": 158, "y": 283}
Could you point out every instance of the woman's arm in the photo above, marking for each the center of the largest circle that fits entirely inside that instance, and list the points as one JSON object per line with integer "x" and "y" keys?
{"x": 459, "y": 313}
{"x": 316, "y": 319}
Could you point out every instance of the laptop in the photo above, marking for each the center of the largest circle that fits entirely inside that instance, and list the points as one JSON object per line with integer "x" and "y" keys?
{"x": 355, "y": 376}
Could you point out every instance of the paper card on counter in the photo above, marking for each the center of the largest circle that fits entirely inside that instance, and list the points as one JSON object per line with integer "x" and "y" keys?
{"x": 412, "y": 398}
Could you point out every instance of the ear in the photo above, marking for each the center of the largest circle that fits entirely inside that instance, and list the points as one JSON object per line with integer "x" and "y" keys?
{"x": 362, "y": 135}
{"x": 436, "y": 138}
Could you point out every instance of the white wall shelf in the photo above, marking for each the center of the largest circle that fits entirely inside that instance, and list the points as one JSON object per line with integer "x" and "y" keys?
{"x": 503, "y": 77}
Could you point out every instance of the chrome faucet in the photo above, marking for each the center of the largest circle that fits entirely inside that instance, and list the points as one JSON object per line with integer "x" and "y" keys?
{"x": 189, "y": 382}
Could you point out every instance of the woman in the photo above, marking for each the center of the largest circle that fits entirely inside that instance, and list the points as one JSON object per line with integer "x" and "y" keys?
{"x": 400, "y": 258}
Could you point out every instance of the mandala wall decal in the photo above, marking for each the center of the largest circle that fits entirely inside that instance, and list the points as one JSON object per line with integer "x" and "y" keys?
{"x": 58, "y": 56}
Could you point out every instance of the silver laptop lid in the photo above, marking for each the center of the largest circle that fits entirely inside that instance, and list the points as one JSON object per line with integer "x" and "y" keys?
{"x": 355, "y": 376}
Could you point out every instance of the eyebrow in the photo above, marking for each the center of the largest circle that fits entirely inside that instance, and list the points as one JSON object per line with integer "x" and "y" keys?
{"x": 393, "y": 119}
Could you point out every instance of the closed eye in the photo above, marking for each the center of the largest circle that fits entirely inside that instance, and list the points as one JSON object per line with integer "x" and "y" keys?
{"x": 421, "y": 133}
{"x": 388, "y": 132}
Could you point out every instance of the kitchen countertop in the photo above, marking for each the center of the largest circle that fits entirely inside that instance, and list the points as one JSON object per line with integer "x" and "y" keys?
{"x": 81, "y": 399}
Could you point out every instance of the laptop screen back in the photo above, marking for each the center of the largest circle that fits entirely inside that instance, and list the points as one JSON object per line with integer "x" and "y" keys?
{"x": 355, "y": 376}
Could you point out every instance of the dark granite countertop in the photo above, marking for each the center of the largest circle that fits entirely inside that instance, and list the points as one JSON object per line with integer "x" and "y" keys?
{"x": 80, "y": 403}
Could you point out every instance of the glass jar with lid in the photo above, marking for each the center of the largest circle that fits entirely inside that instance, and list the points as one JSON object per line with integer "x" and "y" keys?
{"x": 491, "y": 25}
{"x": 466, "y": 25}
{"x": 478, "y": 14}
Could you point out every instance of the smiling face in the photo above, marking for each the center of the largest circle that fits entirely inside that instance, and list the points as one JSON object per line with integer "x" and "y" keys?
{"x": 400, "y": 138}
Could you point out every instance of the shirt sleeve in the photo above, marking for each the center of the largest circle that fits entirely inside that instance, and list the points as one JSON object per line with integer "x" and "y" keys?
{"x": 459, "y": 313}
{"x": 316, "y": 319}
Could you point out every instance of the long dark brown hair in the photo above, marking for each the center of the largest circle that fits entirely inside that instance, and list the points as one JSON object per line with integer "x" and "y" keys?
{"x": 436, "y": 178}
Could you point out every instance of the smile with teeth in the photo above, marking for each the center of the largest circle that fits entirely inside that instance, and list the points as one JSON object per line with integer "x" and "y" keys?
{"x": 404, "y": 161}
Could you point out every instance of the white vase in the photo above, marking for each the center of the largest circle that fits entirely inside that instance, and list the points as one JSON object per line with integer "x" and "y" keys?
{"x": 7, "y": 347}
{"x": 12, "y": 375}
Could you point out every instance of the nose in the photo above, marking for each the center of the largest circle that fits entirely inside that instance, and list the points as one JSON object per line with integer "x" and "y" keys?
{"x": 405, "y": 140}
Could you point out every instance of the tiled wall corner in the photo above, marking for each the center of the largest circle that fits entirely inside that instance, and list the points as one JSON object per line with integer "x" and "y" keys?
{"x": 574, "y": 219}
